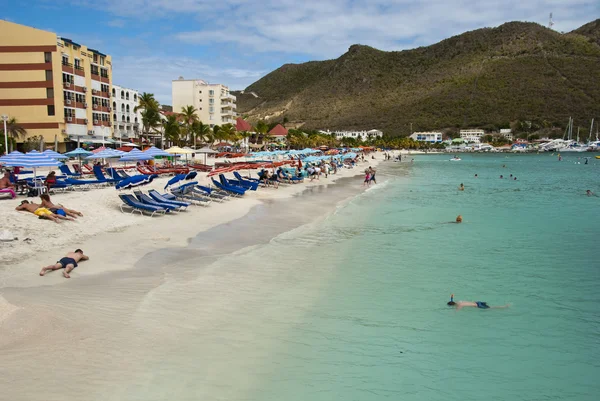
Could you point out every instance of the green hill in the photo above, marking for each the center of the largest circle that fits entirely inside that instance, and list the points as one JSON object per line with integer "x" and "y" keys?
{"x": 487, "y": 77}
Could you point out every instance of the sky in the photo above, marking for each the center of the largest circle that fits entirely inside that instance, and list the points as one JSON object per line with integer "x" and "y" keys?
{"x": 236, "y": 42}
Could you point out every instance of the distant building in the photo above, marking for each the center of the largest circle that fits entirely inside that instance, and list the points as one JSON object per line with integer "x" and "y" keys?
{"x": 433, "y": 137}
{"x": 126, "y": 121}
{"x": 279, "y": 132}
{"x": 215, "y": 105}
{"x": 363, "y": 135}
{"x": 507, "y": 133}
{"x": 472, "y": 135}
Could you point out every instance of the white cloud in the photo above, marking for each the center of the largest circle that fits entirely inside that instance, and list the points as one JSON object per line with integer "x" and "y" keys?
{"x": 153, "y": 74}
{"x": 327, "y": 28}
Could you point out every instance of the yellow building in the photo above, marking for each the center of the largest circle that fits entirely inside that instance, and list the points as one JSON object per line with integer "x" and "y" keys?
{"x": 54, "y": 87}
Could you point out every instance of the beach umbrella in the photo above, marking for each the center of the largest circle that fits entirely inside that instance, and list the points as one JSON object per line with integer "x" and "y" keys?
{"x": 106, "y": 153}
{"x": 179, "y": 151}
{"x": 54, "y": 155}
{"x": 33, "y": 160}
{"x": 135, "y": 181}
{"x": 135, "y": 155}
{"x": 78, "y": 153}
{"x": 156, "y": 152}
{"x": 10, "y": 156}
{"x": 175, "y": 180}
{"x": 191, "y": 175}
{"x": 206, "y": 151}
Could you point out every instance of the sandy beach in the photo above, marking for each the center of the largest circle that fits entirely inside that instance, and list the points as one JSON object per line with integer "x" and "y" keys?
{"x": 116, "y": 240}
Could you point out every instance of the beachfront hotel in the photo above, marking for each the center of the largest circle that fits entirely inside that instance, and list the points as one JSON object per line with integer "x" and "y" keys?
{"x": 215, "y": 105}
{"x": 471, "y": 135}
{"x": 432, "y": 137}
{"x": 363, "y": 135}
{"x": 126, "y": 121}
{"x": 54, "y": 87}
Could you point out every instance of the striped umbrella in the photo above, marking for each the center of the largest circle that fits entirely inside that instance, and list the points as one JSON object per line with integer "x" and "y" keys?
{"x": 10, "y": 156}
{"x": 136, "y": 155}
{"x": 155, "y": 152}
{"x": 54, "y": 155}
{"x": 107, "y": 153}
{"x": 32, "y": 159}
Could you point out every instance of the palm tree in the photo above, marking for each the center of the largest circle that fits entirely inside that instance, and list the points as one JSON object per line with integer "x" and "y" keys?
{"x": 189, "y": 116}
{"x": 227, "y": 132}
{"x": 201, "y": 132}
{"x": 14, "y": 131}
{"x": 261, "y": 130}
{"x": 172, "y": 129}
{"x": 150, "y": 114}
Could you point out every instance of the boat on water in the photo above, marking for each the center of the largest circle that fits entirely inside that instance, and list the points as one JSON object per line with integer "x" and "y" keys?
{"x": 455, "y": 159}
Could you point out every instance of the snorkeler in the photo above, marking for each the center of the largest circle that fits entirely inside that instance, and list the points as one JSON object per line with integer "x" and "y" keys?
{"x": 477, "y": 304}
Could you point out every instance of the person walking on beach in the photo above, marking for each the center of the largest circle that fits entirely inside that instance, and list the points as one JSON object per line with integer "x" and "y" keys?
{"x": 68, "y": 263}
{"x": 367, "y": 180}
{"x": 476, "y": 304}
{"x": 372, "y": 171}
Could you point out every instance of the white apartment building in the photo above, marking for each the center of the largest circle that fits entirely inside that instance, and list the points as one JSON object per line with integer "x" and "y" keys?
{"x": 364, "y": 135}
{"x": 215, "y": 105}
{"x": 472, "y": 135}
{"x": 432, "y": 137}
{"x": 127, "y": 122}
{"x": 507, "y": 133}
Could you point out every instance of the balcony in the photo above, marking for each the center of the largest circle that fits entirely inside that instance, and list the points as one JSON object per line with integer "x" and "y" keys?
{"x": 229, "y": 98}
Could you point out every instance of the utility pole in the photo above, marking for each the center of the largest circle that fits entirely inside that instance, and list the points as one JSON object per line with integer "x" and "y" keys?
{"x": 550, "y": 22}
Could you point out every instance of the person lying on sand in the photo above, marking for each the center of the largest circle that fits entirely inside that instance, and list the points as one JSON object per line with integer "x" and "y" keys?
{"x": 60, "y": 209}
{"x": 477, "y": 304}
{"x": 40, "y": 211}
{"x": 68, "y": 263}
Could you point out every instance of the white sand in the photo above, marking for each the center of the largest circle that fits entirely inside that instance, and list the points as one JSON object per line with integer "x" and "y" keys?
{"x": 115, "y": 240}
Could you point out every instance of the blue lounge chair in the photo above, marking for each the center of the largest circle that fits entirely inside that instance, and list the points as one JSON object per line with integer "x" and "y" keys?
{"x": 116, "y": 174}
{"x": 186, "y": 192}
{"x": 137, "y": 206}
{"x": 67, "y": 171}
{"x": 163, "y": 198}
{"x": 239, "y": 177}
{"x": 100, "y": 176}
{"x": 237, "y": 191}
{"x": 142, "y": 197}
{"x": 217, "y": 195}
{"x": 239, "y": 183}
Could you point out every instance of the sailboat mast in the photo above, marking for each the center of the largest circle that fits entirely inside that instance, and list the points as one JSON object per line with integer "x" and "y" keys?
{"x": 578, "y": 134}
{"x": 591, "y": 129}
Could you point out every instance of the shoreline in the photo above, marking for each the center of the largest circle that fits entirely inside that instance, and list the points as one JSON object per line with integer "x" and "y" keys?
{"x": 129, "y": 238}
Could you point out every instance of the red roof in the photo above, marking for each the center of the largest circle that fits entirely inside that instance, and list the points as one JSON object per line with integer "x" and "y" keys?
{"x": 243, "y": 125}
{"x": 278, "y": 130}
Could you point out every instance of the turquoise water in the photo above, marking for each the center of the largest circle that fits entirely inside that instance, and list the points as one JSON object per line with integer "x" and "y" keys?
{"x": 352, "y": 306}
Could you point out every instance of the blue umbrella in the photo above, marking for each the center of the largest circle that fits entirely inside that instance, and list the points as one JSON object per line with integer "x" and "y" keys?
{"x": 10, "y": 156}
{"x": 155, "y": 152}
{"x": 191, "y": 175}
{"x": 78, "y": 152}
{"x": 135, "y": 181}
{"x": 107, "y": 153}
{"x": 136, "y": 155}
{"x": 54, "y": 155}
{"x": 175, "y": 180}
{"x": 31, "y": 159}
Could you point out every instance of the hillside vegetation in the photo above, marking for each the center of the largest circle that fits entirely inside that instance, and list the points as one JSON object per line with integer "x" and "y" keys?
{"x": 484, "y": 78}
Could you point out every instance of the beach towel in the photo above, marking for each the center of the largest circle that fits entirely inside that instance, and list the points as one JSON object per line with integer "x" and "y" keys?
{"x": 9, "y": 191}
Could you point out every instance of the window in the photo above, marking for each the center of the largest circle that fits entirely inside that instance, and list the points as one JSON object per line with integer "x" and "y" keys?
{"x": 95, "y": 58}
{"x": 104, "y": 88}
{"x": 114, "y": 92}
{"x": 211, "y": 92}
{"x": 104, "y": 72}
{"x": 94, "y": 69}
{"x": 50, "y": 109}
{"x": 79, "y": 98}
{"x": 115, "y": 105}
{"x": 123, "y": 118}
{"x": 78, "y": 64}
{"x": 65, "y": 59}
{"x": 135, "y": 97}
{"x": 128, "y": 108}
{"x": 211, "y": 101}
{"x": 115, "y": 117}
{"x": 47, "y": 57}
{"x": 122, "y": 108}
{"x": 48, "y": 75}
{"x": 49, "y": 93}
{"x": 127, "y": 118}
{"x": 122, "y": 95}
{"x": 211, "y": 109}
{"x": 101, "y": 60}
{"x": 127, "y": 97}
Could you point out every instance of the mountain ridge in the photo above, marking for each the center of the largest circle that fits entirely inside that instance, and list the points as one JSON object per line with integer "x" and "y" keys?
{"x": 489, "y": 76}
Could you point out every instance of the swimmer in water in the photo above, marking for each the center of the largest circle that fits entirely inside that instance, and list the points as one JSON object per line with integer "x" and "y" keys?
{"x": 501, "y": 176}
{"x": 477, "y": 304}
{"x": 459, "y": 219}
{"x": 590, "y": 193}
{"x": 462, "y": 187}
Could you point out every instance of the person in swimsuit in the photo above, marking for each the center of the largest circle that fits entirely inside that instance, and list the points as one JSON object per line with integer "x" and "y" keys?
{"x": 68, "y": 263}
{"x": 40, "y": 211}
{"x": 462, "y": 187}
{"x": 58, "y": 209}
{"x": 477, "y": 304}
